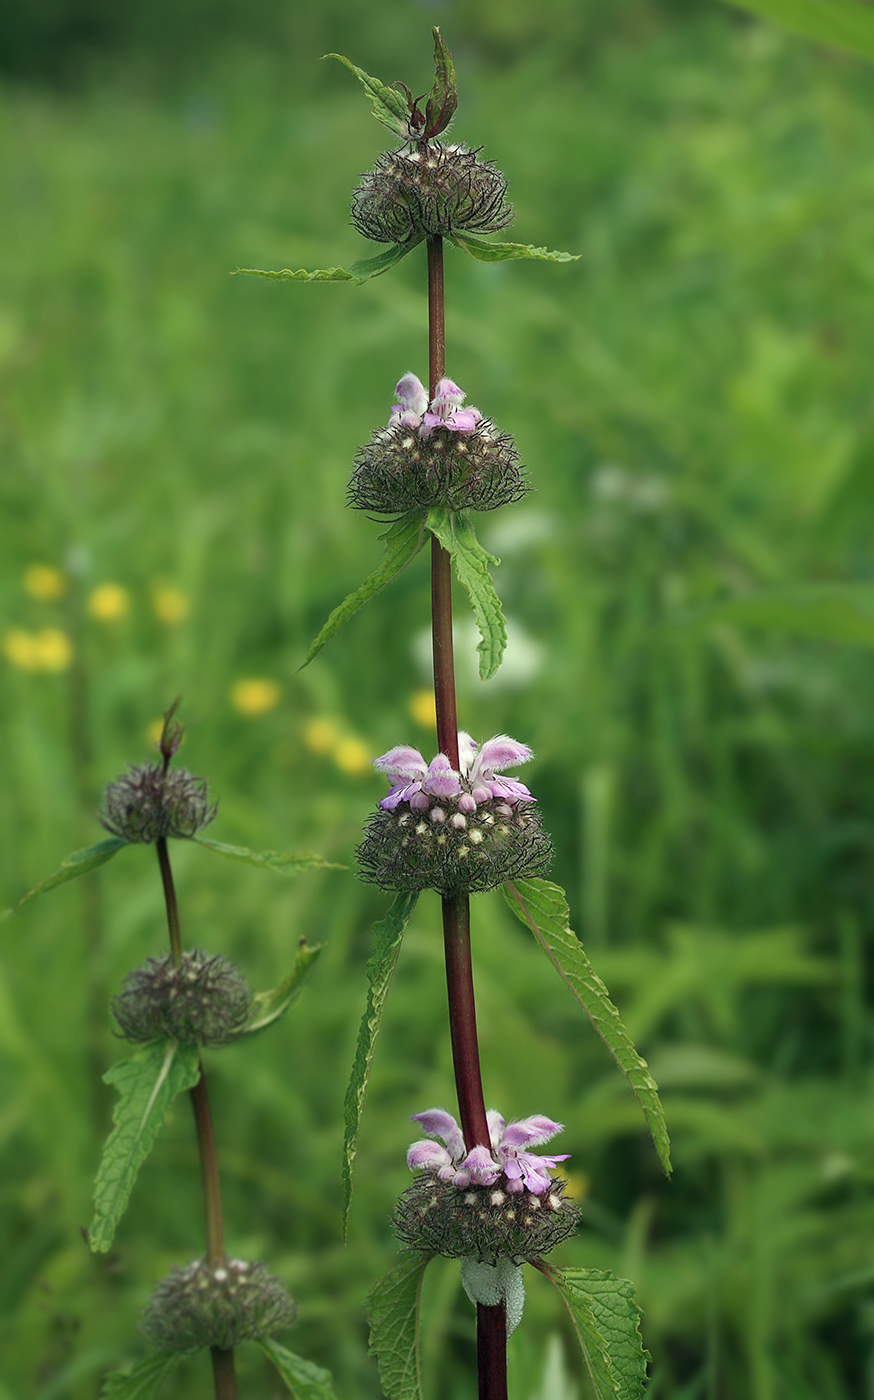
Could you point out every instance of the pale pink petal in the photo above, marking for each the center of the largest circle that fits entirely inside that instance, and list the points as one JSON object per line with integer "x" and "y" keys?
{"x": 509, "y": 789}
{"x": 467, "y": 803}
{"x": 447, "y": 392}
{"x": 439, "y": 1123}
{"x": 442, "y": 779}
{"x": 404, "y": 761}
{"x": 428, "y": 1156}
{"x": 412, "y": 393}
{"x": 529, "y": 1132}
{"x": 502, "y": 752}
{"x": 467, "y": 748}
{"x": 464, "y": 420}
{"x": 496, "y": 1123}
{"x": 481, "y": 1166}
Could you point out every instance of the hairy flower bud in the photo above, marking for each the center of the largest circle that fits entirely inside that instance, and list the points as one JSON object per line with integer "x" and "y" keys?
{"x": 148, "y": 803}
{"x": 199, "y": 1307}
{"x": 203, "y": 1001}
{"x": 428, "y": 189}
{"x": 483, "y": 1222}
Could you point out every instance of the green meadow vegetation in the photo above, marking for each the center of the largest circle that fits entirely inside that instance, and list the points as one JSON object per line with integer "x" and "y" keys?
{"x": 691, "y": 612}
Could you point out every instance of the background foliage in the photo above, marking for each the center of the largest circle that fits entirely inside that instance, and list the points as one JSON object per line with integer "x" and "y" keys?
{"x": 693, "y": 399}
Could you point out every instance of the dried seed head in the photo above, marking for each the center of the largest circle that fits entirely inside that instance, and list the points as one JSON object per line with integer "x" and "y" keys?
{"x": 203, "y": 1001}
{"x": 199, "y": 1307}
{"x": 403, "y": 850}
{"x": 426, "y": 189}
{"x": 399, "y": 470}
{"x": 148, "y": 803}
{"x": 434, "y": 1217}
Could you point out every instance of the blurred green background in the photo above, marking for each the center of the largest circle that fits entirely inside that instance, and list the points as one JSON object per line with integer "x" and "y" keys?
{"x": 693, "y": 399}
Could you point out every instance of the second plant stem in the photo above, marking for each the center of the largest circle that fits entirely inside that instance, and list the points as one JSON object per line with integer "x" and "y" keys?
{"x": 223, "y": 1369}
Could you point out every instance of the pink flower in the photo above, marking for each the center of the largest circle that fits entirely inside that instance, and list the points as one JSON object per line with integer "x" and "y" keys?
{"x": 445, "y": 408}
{"x": 521, "y": 1170}
{"x": 474, "y": 782}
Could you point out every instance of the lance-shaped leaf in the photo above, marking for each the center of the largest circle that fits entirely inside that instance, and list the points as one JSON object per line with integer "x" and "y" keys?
{"x": 543, "y": 907}
{"x": 304, "y": 1379}
{"x": 71, "y": 867}
{"x": 360, "y": 271}
{"x": 839, "y": 23}
{"x": 141, "y": 1381}
{"x": 471, "y": 563}
{"x": 393, "y": 1313}
{"x": 267, "y": 1007}
{"x": 148, "y": 1082}
{"x": 402, "y": 540}
{"x": 388, "y": 105}
{"x": 443, "y": 99}
{"x": 607, "y": 1323}
{"x": 485, "y": 251}
{"x": 388, "y": 935}
{"x": 284, "y": 863}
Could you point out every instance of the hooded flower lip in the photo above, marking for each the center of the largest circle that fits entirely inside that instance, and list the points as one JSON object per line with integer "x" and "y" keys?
{"x": 412, "y": 410}
{"x": 509, "y": 1158}
{"x": 473, "y": 784}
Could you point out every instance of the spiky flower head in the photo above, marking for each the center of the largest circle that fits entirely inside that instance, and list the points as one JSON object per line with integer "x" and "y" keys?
{"x": 456, "y": 831}
{"x": 427, "y": 190}
{"x": 199, "y": 1306}
{"x": 490, "y": 1203}
{"x": 203, "y": 1001}
{"x": 151, "y": 801}
{"x": 436, "y": 454}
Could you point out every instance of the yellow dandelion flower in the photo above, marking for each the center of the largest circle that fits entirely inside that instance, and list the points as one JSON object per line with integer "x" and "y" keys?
{"x": 44, "y": 583}
{"x": 154, "y": 730}
{"x": 21, "y": 649}
{"x": 170, "y": 606}
{"x": 54, "y": 649}
{"x": 321, "y": 736}
{"x": 109, "y": 602}
{"x": 353, "y": 757}
{"x": 423, "y": 709}
{"x": 255, "y": 696}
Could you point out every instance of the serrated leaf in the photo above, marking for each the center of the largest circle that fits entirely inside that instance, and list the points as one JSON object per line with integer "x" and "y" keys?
{"x": 393, "y": 1313}
{"x": 388, "y": 935}
{"x": 834, "y": 612}
{"x": 360, "y": 271}
{"x": 267, "y": 1007}
{"x": 388, "y": 105}
{"x": 443, "y": 98}
{"x": 304, "y": 1379}
{"x": 72, "y": 866}
{"x": 283, "y": 862}
{"x": 485, "y": 251}
{"x": 148, "y": 1082}
{"x": 607, "y": 1323}
{"x": 471, "y": 563}
{"x": 543, "y": 907}
{"x": 839, "y": 23}
{"x": 141, "y": 1381}
{"x": 403, "y": 540}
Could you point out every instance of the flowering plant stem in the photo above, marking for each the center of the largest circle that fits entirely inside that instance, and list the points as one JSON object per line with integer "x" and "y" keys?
{"x": 491, "y": 1321}
{"x": 223, "y": 1370}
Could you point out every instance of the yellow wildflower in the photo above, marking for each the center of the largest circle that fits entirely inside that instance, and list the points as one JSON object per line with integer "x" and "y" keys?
{"x": 44, "y": 583}
{"x": 21, "y": 649}
{"x": 154, "y": 730}
{"x": 170, "y": 605}
{"x": 54, "y": 649}
{"x": 321, "y": 736}
{"x": 353, "y": 757}
{"x": 423, "y": 709}
{"x": 109, "y": 602}
{"x": 255, "y": 696}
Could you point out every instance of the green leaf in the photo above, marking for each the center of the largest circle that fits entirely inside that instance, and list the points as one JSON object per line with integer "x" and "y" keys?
{"x": 267, "y": 1007}
{"x": 471, "y": 562}
{"x": 837, "y": 22}
{"x": 607, "y": 1323}
{"x": 148, "y": 1083}
{"x": 393, "y": 1313}
{"x": 543, "y": 907}
{"x": 71, "y": 867}
{"x": 388, "y": 935}
{"x": 141, "y": 1381}
{"x": 403, "y": 540}
{"x": 304, "y": 1379}
{"x": 281, "y": 861}
{"x": 485, "y": 251}
{"x": 360, "y": 271}
{"x": 444, "y": 94}
{"x": 388, "y": 105}
{"x": 834, "y": 612}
